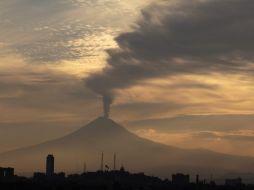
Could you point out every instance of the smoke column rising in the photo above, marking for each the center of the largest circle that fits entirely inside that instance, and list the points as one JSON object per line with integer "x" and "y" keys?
{"x": 107, "y": 101}
{"x": 165, "y": 42}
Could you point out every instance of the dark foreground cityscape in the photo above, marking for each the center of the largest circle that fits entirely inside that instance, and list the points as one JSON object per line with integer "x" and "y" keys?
{"x": 106, "y": 179}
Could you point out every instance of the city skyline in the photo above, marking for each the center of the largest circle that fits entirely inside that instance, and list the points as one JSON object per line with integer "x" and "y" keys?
{"x": 177, "y": 179}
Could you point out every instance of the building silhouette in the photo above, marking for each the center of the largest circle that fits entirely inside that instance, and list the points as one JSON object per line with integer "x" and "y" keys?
{"x": 6, "y": 172}
{"x": 109, "y": 179}
{"x": 180, "y": 179}
{"x": 50, "y": 165}
{"x": 233, "y": 182}
{"x": 39, "y": 176}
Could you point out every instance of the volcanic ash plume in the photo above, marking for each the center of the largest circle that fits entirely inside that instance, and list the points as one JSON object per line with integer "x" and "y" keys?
{"x": 107, "y": 101}
{"x": 165, "y": 42}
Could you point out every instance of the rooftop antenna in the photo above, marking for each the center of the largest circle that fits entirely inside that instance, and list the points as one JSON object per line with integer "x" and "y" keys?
{"x": 114, "y": 162}
{"x": 102, "y": 161}
{"x": 84, "y": 169}
{"x": 211, "y": 178}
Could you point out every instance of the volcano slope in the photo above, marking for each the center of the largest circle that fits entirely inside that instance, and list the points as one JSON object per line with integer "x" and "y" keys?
{"x": 135, "y": 153}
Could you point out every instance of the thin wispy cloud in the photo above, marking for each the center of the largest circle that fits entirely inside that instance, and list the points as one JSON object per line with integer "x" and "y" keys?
{"x": 46, "y": 31}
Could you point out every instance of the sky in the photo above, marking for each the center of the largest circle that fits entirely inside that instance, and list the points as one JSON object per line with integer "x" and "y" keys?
{"x": 156, "y": 60}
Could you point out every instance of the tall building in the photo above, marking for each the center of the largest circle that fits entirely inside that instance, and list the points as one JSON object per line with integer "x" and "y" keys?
{"x": 50, "y": 165}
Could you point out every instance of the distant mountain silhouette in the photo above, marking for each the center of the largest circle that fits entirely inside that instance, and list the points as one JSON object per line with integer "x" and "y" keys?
{"x": 137, "y": 154}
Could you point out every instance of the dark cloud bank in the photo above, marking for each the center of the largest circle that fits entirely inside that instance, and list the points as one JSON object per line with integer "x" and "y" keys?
{"x": 191, "y": 36}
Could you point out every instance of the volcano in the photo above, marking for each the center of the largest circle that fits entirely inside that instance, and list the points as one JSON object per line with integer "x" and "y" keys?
{"x": 135, "y": 153}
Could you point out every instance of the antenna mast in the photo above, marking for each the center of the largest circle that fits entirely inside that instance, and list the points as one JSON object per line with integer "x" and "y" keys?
{"x": 114, "y": 161}
{"x": 84, "y": 167}
{"x": 102, "y": 161}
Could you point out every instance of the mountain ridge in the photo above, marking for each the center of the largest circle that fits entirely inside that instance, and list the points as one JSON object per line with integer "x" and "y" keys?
{"x": 105, "y": 135}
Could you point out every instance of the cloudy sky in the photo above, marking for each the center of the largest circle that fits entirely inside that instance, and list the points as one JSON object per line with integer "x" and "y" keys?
{"x": 157, "y": 60}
